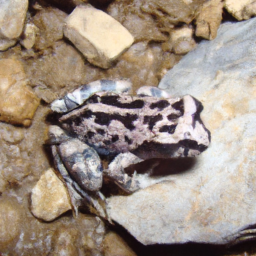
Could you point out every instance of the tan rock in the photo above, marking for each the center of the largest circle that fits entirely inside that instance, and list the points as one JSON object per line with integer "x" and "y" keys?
{"x": 92, "y": 234}
{"x": 114, "y": 245}
{"x": 130, "y": 15}
{"x": 241, "y": 10}
{"x": 64, "y": 68}
{"x": 65, "y": 242}
{"x": 171, "y": 12}
{"x": 12, "y": 17}
{"x": 6, "y": 43}
{"x": 49, "y": 198}
{"x": 209, "y": 19}
{"x": 50, "y": 23}
{"x": 10, "y": 222}
{"x": 29, "y": 36}
{"x": 249, "y": 10}
{"x": 182, "y": 40}
{"x": 97, "y": 35}
{"x": 18, "y": 103}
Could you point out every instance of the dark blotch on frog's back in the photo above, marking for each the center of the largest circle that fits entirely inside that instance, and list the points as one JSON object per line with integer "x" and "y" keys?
{"x": 168, "y": 128}
{"x": 179, "y": 105}
{"x": 151, "y": 120}
{"x": 105, "y": 119}
{"x": 173, "y": 116}
{"x": 114, "y": 138}
{"x": 113, "y": 100}
{"x": 90, "y": 134}
{"x": 161, "y": 104}
{"x": 128, "y": 140}
{"x": 192, "y": 144}
{"x": 102, "y": 119}
{"x": 100, "y": 131}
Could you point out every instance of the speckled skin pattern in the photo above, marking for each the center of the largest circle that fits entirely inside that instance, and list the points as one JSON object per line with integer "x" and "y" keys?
{"x": 102, "y": 118}
{"x": 149, "y": 127}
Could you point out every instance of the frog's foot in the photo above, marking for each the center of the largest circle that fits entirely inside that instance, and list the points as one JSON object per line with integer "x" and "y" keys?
{"x": 116, "y": 172}
{"x": 243, "y": 235}
{"x": 79, "y": 96}
{"x": 75, "y": 197}
{"x": 152, "y": 91}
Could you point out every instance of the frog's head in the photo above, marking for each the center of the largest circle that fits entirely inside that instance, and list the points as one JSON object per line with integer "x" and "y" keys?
{"x": 183, "y": 134}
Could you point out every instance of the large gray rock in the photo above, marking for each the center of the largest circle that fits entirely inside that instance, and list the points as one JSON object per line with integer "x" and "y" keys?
{"x": 214, "y": 200}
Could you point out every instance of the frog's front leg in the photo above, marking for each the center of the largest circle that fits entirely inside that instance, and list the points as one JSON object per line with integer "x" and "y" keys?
{"x": 116, "y": 172}
{"x": 80, "y": 168}
{"x": 80, "y": 95}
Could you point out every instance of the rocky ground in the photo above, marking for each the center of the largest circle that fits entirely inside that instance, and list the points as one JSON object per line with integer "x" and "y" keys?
{"x": 46, "y": 50}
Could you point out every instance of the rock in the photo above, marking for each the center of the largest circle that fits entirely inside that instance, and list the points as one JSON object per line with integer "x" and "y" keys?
{"x": 97, "y": 35}
{"x": 12, "y": 135}
{"x": 92, "y": 234}
{"x": 129, "y": 14}
{"x": 66, "y": 6}
{"x": 114, "y": 245}
{"x": 18, "y": 103}
{"x": 209, "y": 199}
{"x": 209, "y": 19}
{"x": 12, "y": 17}
{"x": 61, "y": 67}
{"x": 45, "y": 94}
{"x": 82, "y": 235}
{"x": 10, "y": 222}
{"x": 249, "y": 10}
{"x": 241, "y": 10}
{"x": 143, "y": 64}
{"x": 50, "y": 23}
{"x": 182, "y": 40}
{"x": 29, "y": 35}
{"x": 6, "y": 43}
{"x": 64, "y": 242}
{"x": 171, "y": 12}
{"x": 49, "y": 198}
{"x": 14, "y": 160}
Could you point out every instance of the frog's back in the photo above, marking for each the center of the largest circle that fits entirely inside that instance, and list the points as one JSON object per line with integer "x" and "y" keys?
{"x": 147, "y": 126}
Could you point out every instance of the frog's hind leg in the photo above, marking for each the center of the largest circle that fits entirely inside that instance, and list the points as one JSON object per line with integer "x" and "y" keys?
{"x": 77, "y": 195}
{"x": 79, "y": 96}
{"x": 152, "y": 91}
{"x": 116, "y": 172}
{"x": 80, "y": 169}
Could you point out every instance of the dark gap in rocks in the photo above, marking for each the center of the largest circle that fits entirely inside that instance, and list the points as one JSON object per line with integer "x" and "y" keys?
{"x": 185, "y": 249}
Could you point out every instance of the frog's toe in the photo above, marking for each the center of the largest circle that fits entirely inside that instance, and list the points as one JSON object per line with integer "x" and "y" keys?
{"x": 116, "y": 172}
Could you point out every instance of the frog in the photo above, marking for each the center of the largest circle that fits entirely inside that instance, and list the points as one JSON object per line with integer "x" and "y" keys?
{"x": 102, "y": 118}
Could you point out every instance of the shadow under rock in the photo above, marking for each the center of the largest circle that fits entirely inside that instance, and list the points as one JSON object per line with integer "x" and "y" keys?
{"x": 186, "y": 249}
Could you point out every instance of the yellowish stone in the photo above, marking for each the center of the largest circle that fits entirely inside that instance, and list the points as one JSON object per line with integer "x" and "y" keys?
{"x": 49, "y": 198}
{"x": 97, "y": 35}
{"x": 18, "y": 102}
